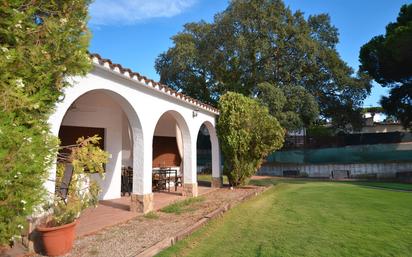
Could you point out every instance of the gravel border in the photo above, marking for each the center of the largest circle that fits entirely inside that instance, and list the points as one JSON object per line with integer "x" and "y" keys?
{"x": 182, "y": 234}
{"x": 140, "y": 236}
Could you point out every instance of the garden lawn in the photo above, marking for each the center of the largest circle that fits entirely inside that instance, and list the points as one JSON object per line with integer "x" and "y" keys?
{"x": 208, "y": 178}
{"x": 386, "y": 185}
{"x": 306, "y": 218}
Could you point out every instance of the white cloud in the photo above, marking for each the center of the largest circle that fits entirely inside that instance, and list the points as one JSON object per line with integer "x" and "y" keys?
{"x": 112, "y": 12}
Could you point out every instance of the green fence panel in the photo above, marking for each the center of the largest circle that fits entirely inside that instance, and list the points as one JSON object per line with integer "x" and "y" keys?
{"x": 347, "y": 154}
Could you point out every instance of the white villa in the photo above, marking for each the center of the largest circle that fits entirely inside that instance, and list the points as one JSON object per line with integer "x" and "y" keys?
{"x": 134, "y": 115}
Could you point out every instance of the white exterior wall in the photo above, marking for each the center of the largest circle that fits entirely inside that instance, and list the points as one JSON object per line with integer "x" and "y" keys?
{"x": 127, "y": 142}
{"x": 166, "y": 126}
{"x": 143, "y": 106}
{"x": 97, "y": 110}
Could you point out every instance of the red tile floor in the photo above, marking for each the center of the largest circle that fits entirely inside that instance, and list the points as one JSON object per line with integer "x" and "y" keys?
{"x": 111, "y": 212}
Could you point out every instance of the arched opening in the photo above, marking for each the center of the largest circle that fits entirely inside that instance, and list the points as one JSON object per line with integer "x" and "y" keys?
{"x": 208, "y": 157}
{"x": 110, "y": 116}
{"x": 204, "y": 157}
{"x": 172, "y": 156}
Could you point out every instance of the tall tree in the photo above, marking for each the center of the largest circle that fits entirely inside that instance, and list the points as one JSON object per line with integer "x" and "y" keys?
{"x": 293, "y": 106}
{"x": 42, "y": 43}
{"x": 262, "y": 41}
{"x": 388, "y": 59}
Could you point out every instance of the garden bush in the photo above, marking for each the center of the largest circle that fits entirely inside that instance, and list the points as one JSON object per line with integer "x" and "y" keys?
{"x": 86, "y": 158}
{"x": 247, "y": 134}
{"x": 42, "y": 45}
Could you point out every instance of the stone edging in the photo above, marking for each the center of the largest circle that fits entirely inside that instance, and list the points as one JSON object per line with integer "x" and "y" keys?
{"x": 167, "y": 242}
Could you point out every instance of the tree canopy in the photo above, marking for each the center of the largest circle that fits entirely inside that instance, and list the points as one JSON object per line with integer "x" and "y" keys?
{"x": 42, "y": 44}
{"x": 262, "y": 42}
{"x": 388, "y": 60}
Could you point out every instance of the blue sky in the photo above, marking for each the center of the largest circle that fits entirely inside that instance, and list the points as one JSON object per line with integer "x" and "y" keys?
{"x": 134, "y": 32}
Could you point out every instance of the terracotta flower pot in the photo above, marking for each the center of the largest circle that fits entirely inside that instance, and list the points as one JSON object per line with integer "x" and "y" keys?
{"x": 57, "y": 240}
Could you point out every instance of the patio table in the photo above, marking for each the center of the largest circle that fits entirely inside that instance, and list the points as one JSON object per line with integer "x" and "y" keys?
{"x": 162, "y": 178}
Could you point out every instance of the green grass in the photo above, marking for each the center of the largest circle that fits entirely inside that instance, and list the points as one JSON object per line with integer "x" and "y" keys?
{"x": 182, "y": 206}
{"x": 208, "y": 178}
{"x": 386, "y": 185}
{"x": 265, "y": 182}
{"x": 309, "y": 218}
{"x": 151, "y": 215}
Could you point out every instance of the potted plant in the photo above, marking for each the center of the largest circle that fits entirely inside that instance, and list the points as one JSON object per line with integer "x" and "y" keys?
{"x": 75, "y": 191}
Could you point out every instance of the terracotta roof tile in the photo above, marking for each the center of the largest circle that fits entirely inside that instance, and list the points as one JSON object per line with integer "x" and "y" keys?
{"x": 96, "y": 58}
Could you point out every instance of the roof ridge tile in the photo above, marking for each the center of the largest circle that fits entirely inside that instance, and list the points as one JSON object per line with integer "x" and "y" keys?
{"x": 149, "y": 82}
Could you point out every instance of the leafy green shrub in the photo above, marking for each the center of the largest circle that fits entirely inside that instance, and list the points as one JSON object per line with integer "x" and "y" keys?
{"x": 86, "y": 158}
{"x": 25, "y": 155}
{"x": 247, "y": 134}
{"x": 41, "y": 44}
{"x": 319, "y": 131}
{"x": 264, "y": 182}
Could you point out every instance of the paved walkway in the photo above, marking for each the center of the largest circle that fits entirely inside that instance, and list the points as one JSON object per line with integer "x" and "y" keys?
{"x": 111, "y": 212}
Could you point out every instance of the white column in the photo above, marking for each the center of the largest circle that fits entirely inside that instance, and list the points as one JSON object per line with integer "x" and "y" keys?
{"x": 216, "y": 170}
{"x": 216, "y": 167}
{"x": 142, "y": 196}
{"x": 189, "y": 162}
{"x": 217, "y": 178}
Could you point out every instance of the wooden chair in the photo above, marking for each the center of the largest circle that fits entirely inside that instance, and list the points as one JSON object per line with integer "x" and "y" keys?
{"x": 127, "y": 181}
{"x": 63, "y": 189}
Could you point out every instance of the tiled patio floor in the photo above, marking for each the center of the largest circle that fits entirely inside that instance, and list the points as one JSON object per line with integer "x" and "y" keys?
{"x": 111, "y": 212}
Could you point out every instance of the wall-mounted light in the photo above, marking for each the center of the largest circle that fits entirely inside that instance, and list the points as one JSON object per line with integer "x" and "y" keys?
{"x": 195, "y": 112}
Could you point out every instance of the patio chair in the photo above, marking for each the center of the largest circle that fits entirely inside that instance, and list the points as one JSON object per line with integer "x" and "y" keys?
{"x": 127, "y": 181}
{"x": 63, "y": 189}
{"x": 161, "y": 180}
{"x": 130, "y": 177}
{"x": 178, "y": 180}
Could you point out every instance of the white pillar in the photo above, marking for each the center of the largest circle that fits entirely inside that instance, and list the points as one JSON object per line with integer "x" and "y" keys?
{"x": 142, "y": 196}
{"x": 189, "y": 163}
{"x": 217, "y": 179}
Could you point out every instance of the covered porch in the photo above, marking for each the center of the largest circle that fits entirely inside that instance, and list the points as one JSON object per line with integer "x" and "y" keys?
{"x": 144, "y": 126}
{"x": 112, "y": 212}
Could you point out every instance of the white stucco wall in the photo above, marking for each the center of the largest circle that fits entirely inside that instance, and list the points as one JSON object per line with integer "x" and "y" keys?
{"x": 166, "y": 126}
{"x": 143, "y": 105}
{"x": 98, "y": 110}
{"x": 127, "y": 142}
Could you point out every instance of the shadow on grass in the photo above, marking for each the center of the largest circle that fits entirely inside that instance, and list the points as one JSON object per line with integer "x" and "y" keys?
{"x": 381, "y": 185}
{"x": 388, "y": 185}
{"x": 407, "y": 187}
{"x": 277, "y": 180}
{"x": 203, "y": 183}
